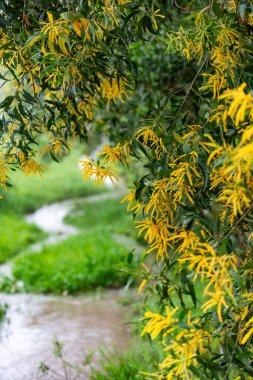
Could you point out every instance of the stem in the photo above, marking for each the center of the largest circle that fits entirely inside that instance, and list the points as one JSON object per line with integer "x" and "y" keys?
{"x": 189, "y": 89}
{"x": 237, "y": 223}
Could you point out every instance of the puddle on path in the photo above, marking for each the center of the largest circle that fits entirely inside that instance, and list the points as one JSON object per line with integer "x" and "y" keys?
{"x": 81, "y": 323}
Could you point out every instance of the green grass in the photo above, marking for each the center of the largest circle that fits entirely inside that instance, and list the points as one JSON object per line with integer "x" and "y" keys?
{"x": 3, "y": 310}
{"x": 109, "y": 214}
{"x": 140, "y": 357}
{"x": 61, "y": 181}
{"x": 81, "y": 263}
{"x": 16, "y": 235}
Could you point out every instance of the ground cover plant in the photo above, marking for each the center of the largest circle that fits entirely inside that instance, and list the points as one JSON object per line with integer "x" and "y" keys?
{"x": 80, "y": 263}
{"x": 3, "y": 309}
{"x": 108, "y": 214}
{"x": 111, "y": 366}
{"x": 118, "y": 366}
{"x": 67, "y": 65}
{"x": 83, "y": 262}
{"x": 25, "y": 235}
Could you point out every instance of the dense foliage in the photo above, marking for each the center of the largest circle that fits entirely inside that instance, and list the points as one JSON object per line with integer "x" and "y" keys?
{"x": 193, "y": 204}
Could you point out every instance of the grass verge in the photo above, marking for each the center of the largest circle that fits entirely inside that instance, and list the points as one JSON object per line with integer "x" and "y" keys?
{"x": 141, "y": 357}
{"x": 80, "y": 263}
{"x": 108, "y": 214}
{"x": 16, "y": 235}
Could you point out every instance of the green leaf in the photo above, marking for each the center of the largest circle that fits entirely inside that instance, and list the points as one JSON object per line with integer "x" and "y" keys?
{"x": 5, "y": 104}
{"x": 53, "y": 156}
{"x": 216, "y": 9}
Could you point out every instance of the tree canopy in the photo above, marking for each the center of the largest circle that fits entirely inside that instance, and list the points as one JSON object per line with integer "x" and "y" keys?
{"x": 170, "y": 83}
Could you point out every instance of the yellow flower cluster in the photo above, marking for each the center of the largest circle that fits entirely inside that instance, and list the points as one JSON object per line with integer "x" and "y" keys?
{"x": 225, "y": 58}
{"x": 158, "y": 323}
{"x": 113, "y": 89}
{"x": 183, "y": 352}
{"x": 183, "y": 348}
{"x": 148, "y": 137}
{"x": 31, "y": 167}
{"x": 223, "y": 47}
{"x": 115, "y": 154}
{"x": 241, "y": 104}
{"x": 134, "y": 205}
{"x": 177, "y": 189}
{"x": 53, "y": 36}
{"x": 167, "y": 193}
{"x": 100, "y": 174}
{"x": 3, "y": 170}
{"x": 156, "y": 232}
{"x": 232, "y": 165}
{"x": 202, "y": 259}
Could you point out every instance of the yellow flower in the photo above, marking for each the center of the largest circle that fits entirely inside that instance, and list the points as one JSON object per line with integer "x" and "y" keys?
{"x": 157, "y": 228}
{"x": 236, "y": 198}
{"x": 158, "y": 323}
{"x": 114, "y": 88}
{"x": 111, "y": 154}
{"x": 148, "y": 137}
{"x": 159, "y": 200}
{"x": 183, "y": 351}
{"x": 100, "y": 174}
{"x": 31, "y": 167}
{"x": 115, "y": 154}
{"x": 241, "y": 104}
{"x": 3, "y": 170}
{"x": 220, "y": 115}
{"x": 248, "y": 330}
{"x": 146, "y": 280}
{"x": 133, "y": 204}
{"x": 214, "y": 82}
{"x": 80, "y": 27}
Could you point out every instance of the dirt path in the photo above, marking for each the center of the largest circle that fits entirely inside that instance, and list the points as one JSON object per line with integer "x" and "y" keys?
{"x": 83, "y": 323}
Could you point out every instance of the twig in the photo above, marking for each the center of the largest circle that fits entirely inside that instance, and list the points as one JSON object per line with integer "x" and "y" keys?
{"x": 189, "y": 89}
{"x": 236, "y": 224}
{"x": 186, "y": 9}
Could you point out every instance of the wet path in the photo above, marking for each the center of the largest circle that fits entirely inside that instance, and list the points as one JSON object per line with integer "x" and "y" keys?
{"x": 50, "y": 218}
{"x": 81, "y": 323}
